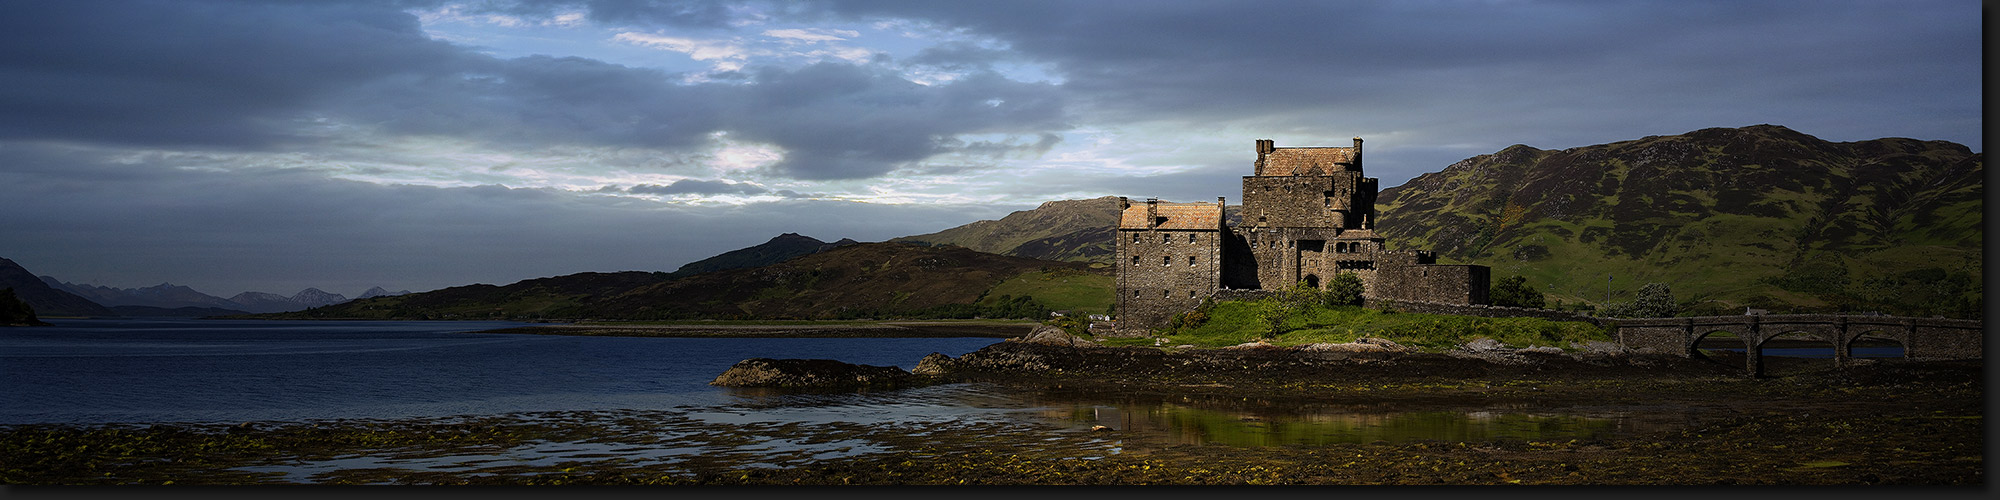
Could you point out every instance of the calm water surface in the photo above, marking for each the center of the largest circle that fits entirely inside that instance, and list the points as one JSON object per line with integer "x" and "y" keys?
{"x": 183, "y": 370}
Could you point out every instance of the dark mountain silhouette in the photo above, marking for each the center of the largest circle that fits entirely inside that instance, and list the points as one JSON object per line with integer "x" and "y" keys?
{"x": 164, "y": 295}
{"x": 174, "y": 312}
{"x": 45, "y": 300}
{"x": 779, "y": 249}
{"x": 867, "y": 279}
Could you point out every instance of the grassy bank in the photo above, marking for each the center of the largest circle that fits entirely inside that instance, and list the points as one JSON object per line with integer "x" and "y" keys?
{"x": 1235, "y": 322}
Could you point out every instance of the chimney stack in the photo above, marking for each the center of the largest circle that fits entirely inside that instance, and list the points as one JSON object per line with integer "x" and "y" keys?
{"x": 1152, "y": 212}
{"x": 1357, "y": 154}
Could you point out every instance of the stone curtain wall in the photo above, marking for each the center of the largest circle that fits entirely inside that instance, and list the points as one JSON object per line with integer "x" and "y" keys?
{"x": 1400, "y": 279}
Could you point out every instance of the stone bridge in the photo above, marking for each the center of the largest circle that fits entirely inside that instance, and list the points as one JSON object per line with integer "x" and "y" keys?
{"x": 1921, "y": 338}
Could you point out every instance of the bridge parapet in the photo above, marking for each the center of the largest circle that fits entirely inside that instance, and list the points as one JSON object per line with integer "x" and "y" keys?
{"x": 1921, "y": 338}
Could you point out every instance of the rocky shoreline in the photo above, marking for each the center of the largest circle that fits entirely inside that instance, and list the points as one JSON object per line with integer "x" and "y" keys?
{"x": 886, "y": 329}
{"x": 1048, "y": 355}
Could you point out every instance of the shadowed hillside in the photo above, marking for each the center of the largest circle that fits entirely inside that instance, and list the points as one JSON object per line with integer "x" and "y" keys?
{"x": 869, "y": 280}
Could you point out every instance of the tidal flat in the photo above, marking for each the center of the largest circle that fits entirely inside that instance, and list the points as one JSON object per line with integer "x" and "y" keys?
{"x": 1885, "y": 422}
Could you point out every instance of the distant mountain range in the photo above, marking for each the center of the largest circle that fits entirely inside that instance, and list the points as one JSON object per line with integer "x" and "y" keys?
{"x": 1761, "y": 217}
{"x": 168, "y": 296}
{"x": 51, "y": 297}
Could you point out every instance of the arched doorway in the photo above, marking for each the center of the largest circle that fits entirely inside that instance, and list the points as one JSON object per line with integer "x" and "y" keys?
{"x": 1312, "y": 280}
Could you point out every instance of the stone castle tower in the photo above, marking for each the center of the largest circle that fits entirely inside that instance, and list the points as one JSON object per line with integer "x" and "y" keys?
{"x": 1308, "y": 214}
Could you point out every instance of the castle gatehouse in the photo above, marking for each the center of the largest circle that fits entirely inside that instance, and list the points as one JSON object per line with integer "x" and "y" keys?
{"x": 1308, "y": 215}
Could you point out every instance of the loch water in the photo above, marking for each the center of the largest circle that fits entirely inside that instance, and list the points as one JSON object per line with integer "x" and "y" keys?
{"x": 99, "y": 371}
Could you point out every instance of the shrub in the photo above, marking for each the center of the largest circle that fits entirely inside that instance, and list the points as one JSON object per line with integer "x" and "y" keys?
{"x": 1513, "y": 291}
{"x": 1344, "y": 290}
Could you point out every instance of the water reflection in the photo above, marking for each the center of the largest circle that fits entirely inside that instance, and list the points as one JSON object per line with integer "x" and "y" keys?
{"x": 1175, "y": 424}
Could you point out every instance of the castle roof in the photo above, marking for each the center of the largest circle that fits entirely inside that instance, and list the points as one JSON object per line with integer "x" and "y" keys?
{"x": 1182, "y": 216}
{"x": 1305, "y": 161}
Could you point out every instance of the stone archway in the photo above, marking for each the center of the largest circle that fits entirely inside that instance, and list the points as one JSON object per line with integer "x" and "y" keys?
{"x": 1721, "y": 346}
{"x": 1876, "y": 344}
{"x": 1312, "y": 280}
{"x": 1797, "y": 351}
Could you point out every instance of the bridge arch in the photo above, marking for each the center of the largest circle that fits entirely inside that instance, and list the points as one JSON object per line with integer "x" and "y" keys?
{"x": 1877, "y": 342}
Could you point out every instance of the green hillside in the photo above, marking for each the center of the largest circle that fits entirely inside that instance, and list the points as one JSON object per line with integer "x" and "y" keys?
{"x": 1759, "y": 216}
{"x": 1067, "y": 230}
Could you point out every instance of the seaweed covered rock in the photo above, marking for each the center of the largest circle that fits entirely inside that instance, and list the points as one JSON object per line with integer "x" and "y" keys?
{"x": 935, "y": 364}
{"x": 1051, "y": 335}
{"x": 811, "y": 374}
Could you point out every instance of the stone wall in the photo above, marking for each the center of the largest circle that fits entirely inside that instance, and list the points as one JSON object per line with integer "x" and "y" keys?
{"x": 1165, "y": 272}
{"x": 1402, "y": 279}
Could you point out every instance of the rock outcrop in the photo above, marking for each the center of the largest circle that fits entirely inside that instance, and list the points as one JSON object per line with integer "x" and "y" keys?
{"x": 811, "y": 374}
{"x": 1051, "y": 335}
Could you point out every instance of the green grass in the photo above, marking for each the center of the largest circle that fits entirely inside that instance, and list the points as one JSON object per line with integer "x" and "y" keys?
{"x": 1231, "y": 323}
{"x": 1059, "y": 290}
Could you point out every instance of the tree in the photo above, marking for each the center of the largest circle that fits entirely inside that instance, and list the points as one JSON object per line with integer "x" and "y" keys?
{"x": 1655, "y": 300}
{"x": 1302, "y": 296}
{"x": 1513, "y": 291}
{"x": 1344, "y": 290}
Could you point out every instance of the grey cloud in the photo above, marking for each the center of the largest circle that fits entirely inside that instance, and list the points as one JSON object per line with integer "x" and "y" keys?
{"x": 692, "y": 186}
{"x": 270, "y": 76}
{"x": 282, "y": 231}
{"x": 1496, "y": 73}
{"x": 840, "y": 121}
{"x": 214, "y": 74}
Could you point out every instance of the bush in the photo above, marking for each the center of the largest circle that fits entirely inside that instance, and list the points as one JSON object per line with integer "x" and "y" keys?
{"x": 1344, "y": 290}
{"x": 1655, "y": 300}
{"x": 1513, "y": 291}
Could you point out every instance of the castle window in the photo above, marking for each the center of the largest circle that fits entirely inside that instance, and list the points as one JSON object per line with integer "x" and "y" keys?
{"x": 1164, "y": 238}
{"x": 1166, "y": 294}
{"x": 1190, "y": 237}
{"x": 1190, "y": 294}
{"x": 1135, "y": 237}
{"x": 1166, "y": 261}
{"x": 1135, "y": 294}
{"x": 1135, "y": 260}
{"x": 1190, "y": 261}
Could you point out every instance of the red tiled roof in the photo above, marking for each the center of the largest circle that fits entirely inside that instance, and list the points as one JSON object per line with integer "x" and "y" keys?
{"x": 1206, "y": 216}
{"x": 1306, "y": 161}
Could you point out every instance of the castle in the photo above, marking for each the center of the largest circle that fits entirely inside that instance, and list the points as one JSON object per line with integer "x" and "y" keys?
{"x": 1308, "y": 214}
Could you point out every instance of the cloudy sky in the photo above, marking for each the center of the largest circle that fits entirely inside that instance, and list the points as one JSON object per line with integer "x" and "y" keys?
{"x": 272, "y": 146}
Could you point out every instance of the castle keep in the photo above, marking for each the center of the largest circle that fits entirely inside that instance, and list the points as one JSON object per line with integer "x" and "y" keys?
{"x": 1308, "y": 214}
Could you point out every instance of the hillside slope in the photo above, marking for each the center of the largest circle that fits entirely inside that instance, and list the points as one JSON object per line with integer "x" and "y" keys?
{"x": 780, "y": 248}
{"x": 1066, "y": 230}
{"x": 861, "y": 280}
{"x": 45, "y": 300}
{"x": 1760, "y": 216}
{"x": 866, "y": 280}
